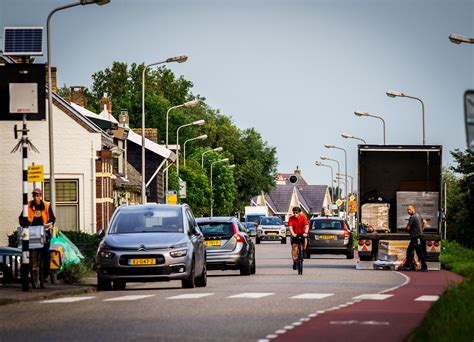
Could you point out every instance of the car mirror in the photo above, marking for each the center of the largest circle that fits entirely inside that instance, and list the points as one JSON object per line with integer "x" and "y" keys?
{"x": 100, "y": 234}
{"x": 248, "y": 231}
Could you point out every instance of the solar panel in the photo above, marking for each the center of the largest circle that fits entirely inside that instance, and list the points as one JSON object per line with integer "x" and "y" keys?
{"x": 23, "y": 41}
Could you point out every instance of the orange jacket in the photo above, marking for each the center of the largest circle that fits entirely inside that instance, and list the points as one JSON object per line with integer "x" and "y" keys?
{"x": 32, "y": 213}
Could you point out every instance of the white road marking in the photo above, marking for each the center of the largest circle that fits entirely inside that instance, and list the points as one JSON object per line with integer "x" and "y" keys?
{"x": 271, "y": 336}
{"x": 376, "y": 296}
{"x": 313, "y": 296}
{"x": 127, "y": 298}
{"x": 351, "y": 322}
{"x": 191, "y": 296}
{"x": 297, "y": 323}
{"x": 279, "y": 332}
{"x": 67, "y": 300}
{"x": 288, "y": 327}
{"x": 253, "y": 295}
{"x": 427, "y": 299}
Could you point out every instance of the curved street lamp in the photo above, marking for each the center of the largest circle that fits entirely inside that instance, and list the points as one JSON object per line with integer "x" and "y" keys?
{"x": 338, "y": 168}
{"x": 457, "y": 38}
{"x": 52, "y": 178}
{"x": 201, "y": 137}
{"x": 177, "y": 59}
{"x": 394, "y": 93}
{"x": 345, "y": 166}
{"x": 348, "y": 136}
{"x": 318, "y": 163}
{"x": 194, "y": 123}
{"x": 351, "y": 178}
{"x": 212, "y": 191}
{"x": 359, "y": 113}
{"x": 217, "y": 149}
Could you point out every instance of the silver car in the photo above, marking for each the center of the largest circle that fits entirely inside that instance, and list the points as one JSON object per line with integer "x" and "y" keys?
{"x": 229, "y": 247}
{"x": 271, "y": 228}
{"x": 152, "y": 242}
{"x": 330, "y": 235}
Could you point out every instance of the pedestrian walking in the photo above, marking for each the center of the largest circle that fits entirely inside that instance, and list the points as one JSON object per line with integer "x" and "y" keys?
{"x": 415, "y": 228}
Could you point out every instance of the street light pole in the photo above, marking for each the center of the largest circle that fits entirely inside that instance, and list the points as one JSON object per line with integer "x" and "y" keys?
{"x": 394, "y": 93}
{"x": 338, "y": 170}
{"x": 348, "y": 136}
{"x": 194, "y": 123}
{"x": 178, "y": 59}
{"x": 352, "y": 180}
{"x": 318, "y": 163}
{"x": 345, "y": 166}
{"x": 201, "y": 137}
{"x": 212, "y": 191}
{"x": 217, "y": 149}
{"x": 52, "y": 179}
{"x": 359, "y": 113}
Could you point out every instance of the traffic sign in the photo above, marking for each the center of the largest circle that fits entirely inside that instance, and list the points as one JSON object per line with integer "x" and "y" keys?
{"x": 352, "y": 198}
{"x": 172, "y": 197}
{"x": 35, "y": 173}
{"x": 339, "y": 202}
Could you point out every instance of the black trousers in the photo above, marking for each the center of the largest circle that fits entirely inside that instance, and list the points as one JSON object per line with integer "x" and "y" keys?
{"x": 415, "y": 245}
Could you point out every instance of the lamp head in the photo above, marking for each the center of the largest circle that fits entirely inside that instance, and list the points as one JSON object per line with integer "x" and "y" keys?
{"x": 191, "y": 104}
{"x": 323, "y": 158}
{"x": 224, "y": 160}
{"x": 318, "y": 163}
{"x": 232, "y": 166}
{"x": 457, "y": 38}
{"x": 329, "y": 146}
{"x": 98, "y": 2}
{"x": 178, "y": 59}
{"x": 359, "y": 113}
{"x": 347, "y": 136}
{"x": 394, "y": 93}
{"x": 202, "y": 137}
{"x": 199, "y": 122}
{"x": 218, "y": 149}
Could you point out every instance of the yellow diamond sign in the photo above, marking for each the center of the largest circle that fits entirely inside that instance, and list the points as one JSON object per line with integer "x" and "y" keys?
{"x": 339, "y": 202}
{"x": 352, "y": 198}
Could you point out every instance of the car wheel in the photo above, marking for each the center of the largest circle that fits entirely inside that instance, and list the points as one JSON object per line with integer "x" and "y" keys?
{"x": 119, "y": 285}
{"x": 257, "y": 241}
{"x": 103, "y": 285}
{"x": 350, "y": 253}
{"x": 253, "y": 269}
{"x": 245, "y": 269}
{"x": 189, "y": 282}
{"x": 283, "y": 241}
{"x": 201, "y": 281}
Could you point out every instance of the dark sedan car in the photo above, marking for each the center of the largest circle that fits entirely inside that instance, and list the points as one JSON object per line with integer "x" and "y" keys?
{"x": 330, "y": 235}
{"x": 151, "y": 242}
{"x": 252, "y": 227}
{"x": 228, "y": 245}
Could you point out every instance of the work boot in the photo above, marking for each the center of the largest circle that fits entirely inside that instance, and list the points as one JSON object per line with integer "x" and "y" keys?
{"x": 294, "y": 265}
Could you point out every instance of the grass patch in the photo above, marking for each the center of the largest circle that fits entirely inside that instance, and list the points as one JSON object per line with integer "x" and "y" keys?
{"x": 450, "y": 318}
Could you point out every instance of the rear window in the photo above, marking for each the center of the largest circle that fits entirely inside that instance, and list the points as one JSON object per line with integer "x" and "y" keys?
{"x": 275, "y": 221}
{"x": 217, "y": 229}
{"x": 148, "y": 220}
{"x": 327, "y": 224}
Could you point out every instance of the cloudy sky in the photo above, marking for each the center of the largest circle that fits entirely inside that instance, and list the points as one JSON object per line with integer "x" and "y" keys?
{"x": 295, "y": 70}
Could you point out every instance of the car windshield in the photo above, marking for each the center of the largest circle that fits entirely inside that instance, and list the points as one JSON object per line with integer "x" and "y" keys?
{"x": 327, "y": 224}
{"x": 270, "y": 221}
{"x": 224, "y": 229}
{"x": 148, "y": 220}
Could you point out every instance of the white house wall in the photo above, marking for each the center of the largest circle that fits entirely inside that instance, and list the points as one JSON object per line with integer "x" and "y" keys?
{"x": 74, "y": 149}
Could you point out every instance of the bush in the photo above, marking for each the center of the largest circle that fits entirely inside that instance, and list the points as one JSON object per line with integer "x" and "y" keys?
{"x": 86, "y": 243}
{"x": 13, "y": 239}
{"x": 76, "y": 273}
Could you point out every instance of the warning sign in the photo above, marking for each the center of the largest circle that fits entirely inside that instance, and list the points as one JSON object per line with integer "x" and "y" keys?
{"x": 172, "y": 197}
{"x": 35, "y": 173}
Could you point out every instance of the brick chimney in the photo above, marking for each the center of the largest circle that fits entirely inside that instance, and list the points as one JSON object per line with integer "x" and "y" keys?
{"x": 106, "y": 102}
{"x": 297, "y": 172}
{"x": 123, "y": 118}
{"x": 150, "y": 133}
{"x": 78, "y": 96}
{"x": 54, "y": 84}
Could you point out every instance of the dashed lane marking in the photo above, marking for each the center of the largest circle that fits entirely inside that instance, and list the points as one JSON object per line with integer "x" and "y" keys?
{"x": 67, "y": 300}
{"x": 313, "y": 296}
{"x": 427, "y": 299}
{"x": 127, "y": 298}
{"x": 376, "y": 296}
{"x": 191, "y": 296}
{"x": 253, "y": 295}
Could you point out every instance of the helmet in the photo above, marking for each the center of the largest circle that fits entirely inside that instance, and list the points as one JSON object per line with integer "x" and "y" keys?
{"x": 298, "y": 209}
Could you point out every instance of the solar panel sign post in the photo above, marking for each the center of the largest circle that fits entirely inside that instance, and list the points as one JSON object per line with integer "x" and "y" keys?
{"x": 23, "y": 41}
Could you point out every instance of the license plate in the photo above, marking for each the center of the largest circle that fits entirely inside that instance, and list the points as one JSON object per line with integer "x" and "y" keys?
{"x": 272, "y": 233}
{"x": 142, "y": 261}
{"x": 212, "y": 243}
{"x": 326, "y": 237}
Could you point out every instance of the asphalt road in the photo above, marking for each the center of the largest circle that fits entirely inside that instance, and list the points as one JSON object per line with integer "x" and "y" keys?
{"x": 230, "y": 308}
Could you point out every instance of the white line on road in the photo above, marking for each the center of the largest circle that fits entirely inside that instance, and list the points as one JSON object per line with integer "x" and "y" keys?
{"x": 191, "y": 296}
{"x": 313, "y": 296}
{"x": 66, "y": 300}
{"x": 427, "y": 299}
{"x": 376, "y": 296}
{"x": 253, "y": 295}
{"x": 127, "y": 298}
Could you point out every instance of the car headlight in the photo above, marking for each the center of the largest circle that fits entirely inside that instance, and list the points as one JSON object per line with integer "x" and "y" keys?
{"x": 106, "y": 254}
{"x": 179, "y": 253}
{"x": 283, "y": 231}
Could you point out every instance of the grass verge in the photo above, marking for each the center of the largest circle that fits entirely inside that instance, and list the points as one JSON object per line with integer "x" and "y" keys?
{"x": 450, "y": 318}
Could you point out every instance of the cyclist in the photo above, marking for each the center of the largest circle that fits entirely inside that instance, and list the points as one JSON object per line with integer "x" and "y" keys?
{"x": 297, "y": 224}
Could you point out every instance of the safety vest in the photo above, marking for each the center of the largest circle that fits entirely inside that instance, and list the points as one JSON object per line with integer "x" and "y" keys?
{"x": 38, "y": 213}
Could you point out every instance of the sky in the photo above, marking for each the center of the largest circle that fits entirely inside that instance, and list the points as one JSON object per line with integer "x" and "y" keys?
{"x": 295, "y": 70}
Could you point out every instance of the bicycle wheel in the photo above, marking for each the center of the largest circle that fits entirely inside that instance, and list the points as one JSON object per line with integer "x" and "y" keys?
{"x": 300, "y": 259}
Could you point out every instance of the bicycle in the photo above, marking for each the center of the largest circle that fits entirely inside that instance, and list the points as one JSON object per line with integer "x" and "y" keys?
{"x": 300, "y": 256}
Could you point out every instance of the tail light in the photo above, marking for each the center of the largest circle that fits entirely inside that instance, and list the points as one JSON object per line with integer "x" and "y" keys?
{"x": 361, "y": 242}
{"x": 239, "y": 238}
{"x": 429, "y": 243}
{"x": 436, "y": 243}
{"x": 367, "y": 242}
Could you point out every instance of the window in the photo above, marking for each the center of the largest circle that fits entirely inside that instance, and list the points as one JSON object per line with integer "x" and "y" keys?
{"x": 67, "y": 203}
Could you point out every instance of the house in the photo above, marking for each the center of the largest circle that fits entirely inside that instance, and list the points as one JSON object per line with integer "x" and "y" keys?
{"x": 286, "y": 195}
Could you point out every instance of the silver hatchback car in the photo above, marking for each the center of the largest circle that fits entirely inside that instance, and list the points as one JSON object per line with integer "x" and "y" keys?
{"x": 330, "y": 235}
{"x": 152, "y": 242}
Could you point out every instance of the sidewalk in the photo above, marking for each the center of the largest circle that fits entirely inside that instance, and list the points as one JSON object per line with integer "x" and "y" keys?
{"x": 392, "y": 317}
{"x": 12, "y": 293}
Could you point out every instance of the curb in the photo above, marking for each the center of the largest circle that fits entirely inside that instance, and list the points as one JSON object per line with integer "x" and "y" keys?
{"x": 50, "y": 295}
